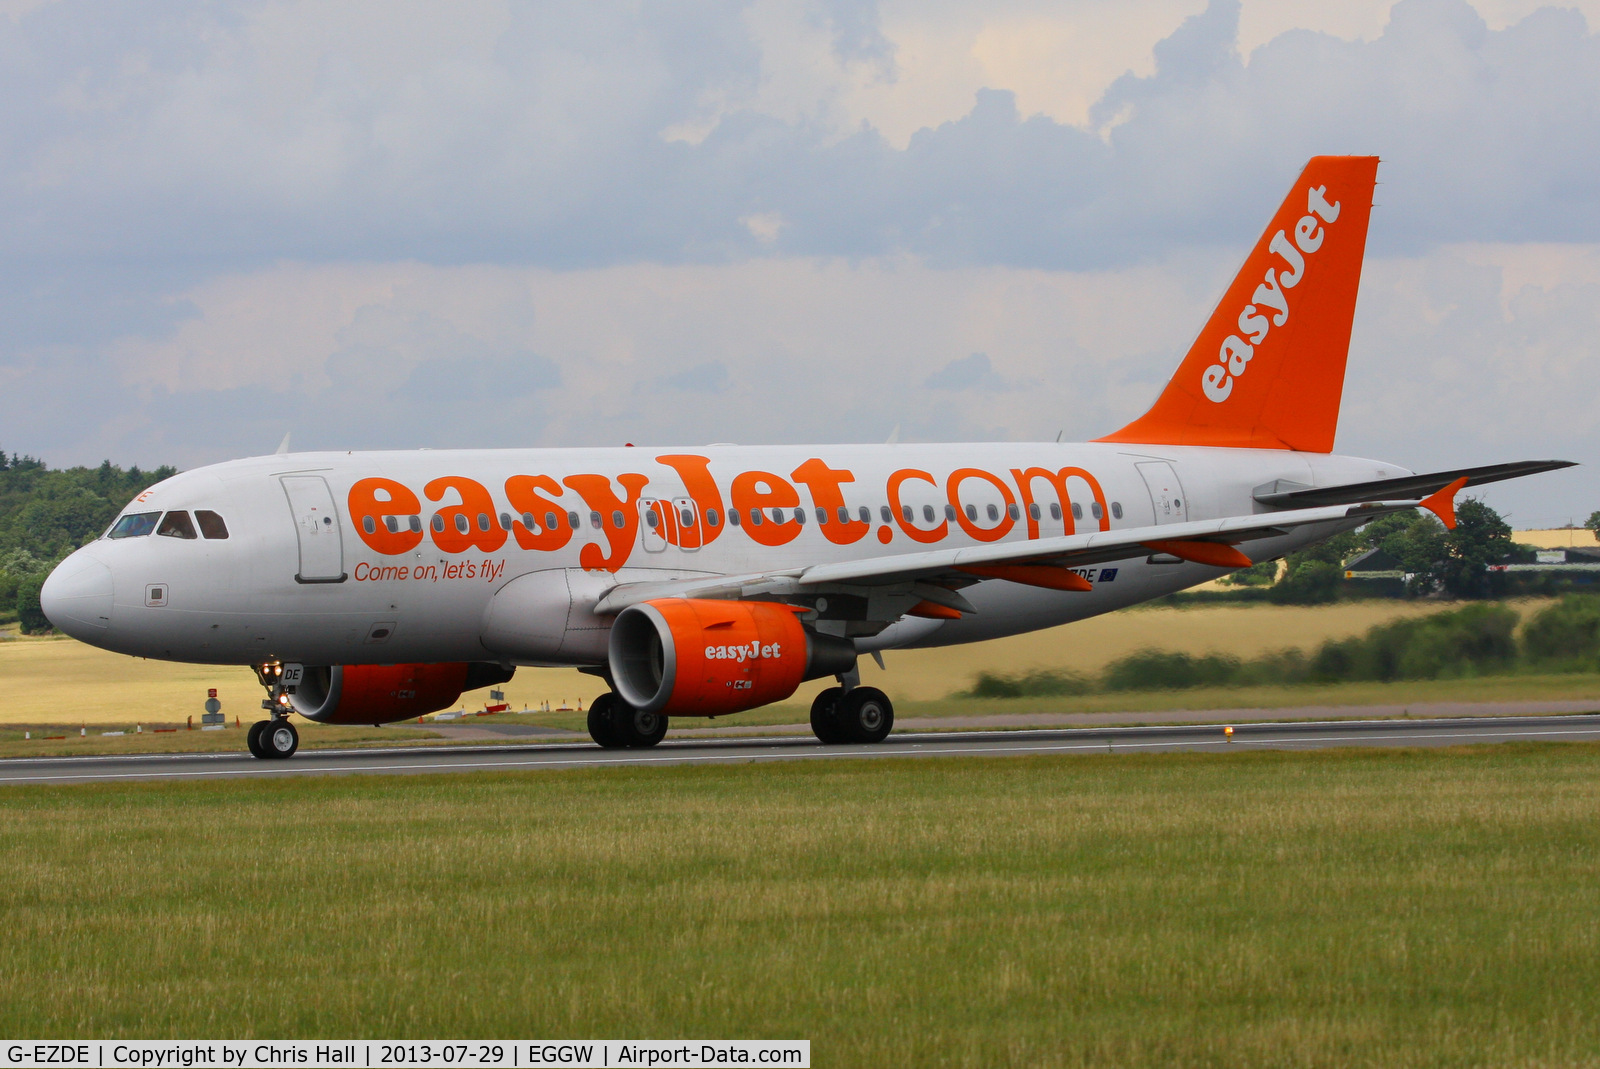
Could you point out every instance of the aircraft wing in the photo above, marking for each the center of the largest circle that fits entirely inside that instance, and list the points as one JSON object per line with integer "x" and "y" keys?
{"x": 930, "y": 571}
{"x": 1405, "y": 486}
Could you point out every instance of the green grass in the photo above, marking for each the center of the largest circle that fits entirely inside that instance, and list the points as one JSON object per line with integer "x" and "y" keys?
{"x": 1352, "y": 697}
{"x": 1396, "y": 908}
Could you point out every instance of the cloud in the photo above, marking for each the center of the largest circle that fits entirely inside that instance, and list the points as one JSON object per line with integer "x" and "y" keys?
{"x": 709, "y": 377}
{"x": 967, "y": 373}
{"x": 534, "y": 133}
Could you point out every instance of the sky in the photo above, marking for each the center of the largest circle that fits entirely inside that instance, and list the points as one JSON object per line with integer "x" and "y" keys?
{"x": 394, "y": 225}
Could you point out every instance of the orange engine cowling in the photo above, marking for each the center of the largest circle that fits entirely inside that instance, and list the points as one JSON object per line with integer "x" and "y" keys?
{"x": 689, "y": 657}
{"x": 384, "y": 693}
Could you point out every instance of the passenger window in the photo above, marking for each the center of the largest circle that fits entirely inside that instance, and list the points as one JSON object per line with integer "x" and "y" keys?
{"x": 994, "y": 513}
{"x": 822, "y": 515}
{"x": 527, "y": 521}
{"x": 733, "y": 517}
{"x": 777, "y": 515}
{"x": 390, "y": 523}
{"x": 1055, "y": 510}
{"x": 617, "y": 520}
{"x": 755, "y": 517}
{"x": 927, "y": 513}
{"x": 177, "y": 525}
{"x": 865, "y": 513}
{"x": 972, "y": 512}
{"x": 211, "y": 525}
{"x": 135, "y": 525}
{"x": 595, "y": 521}
{"x": 505, "y": 521}
{"x": 1077, "y": 511}
{"x": 573, "y": 521}
{"x": 371, "y": 527}
{"x": 685, "y": 517}
{"x": 438, "y": 523}
{"x": 883, "y": 510}
{"x": 905, "y": 513}
{"x": 844, "y": 514}
{"x": 415, "y": 523}
{"x": 713, "y": 518}
{"x": 1016, "y": 513}
{"x": 483, "y": 521}
{"x": 1094, "y": 510}
{"x": 550, "y": 521}
{"x": 800, "y": 516}
{"x": 950, "y": 512}
{"x": 651, "y": 519}
{"x": 1033, "y": 510}
{"x": 1116, "y": 510}
{"x": 461, "y": 523}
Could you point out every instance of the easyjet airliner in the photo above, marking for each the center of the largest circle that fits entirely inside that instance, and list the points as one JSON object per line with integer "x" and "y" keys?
{"x": 373, "y": 587}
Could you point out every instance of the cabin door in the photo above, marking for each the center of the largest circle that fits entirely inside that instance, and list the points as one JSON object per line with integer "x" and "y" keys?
{"x": 316, "y": 523}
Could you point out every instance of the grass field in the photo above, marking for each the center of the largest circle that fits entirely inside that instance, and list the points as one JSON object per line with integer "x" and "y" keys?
{"x": 1397, "y": 908}
{"x": 61, "y": 681}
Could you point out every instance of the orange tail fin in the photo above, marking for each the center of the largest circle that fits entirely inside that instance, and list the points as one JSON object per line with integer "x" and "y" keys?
{"x": 1267, "y": 371}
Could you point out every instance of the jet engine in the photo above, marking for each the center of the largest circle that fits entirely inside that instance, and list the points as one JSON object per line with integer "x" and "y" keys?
{"x": 383, "y": 693}
{"x": 690, "y": 657}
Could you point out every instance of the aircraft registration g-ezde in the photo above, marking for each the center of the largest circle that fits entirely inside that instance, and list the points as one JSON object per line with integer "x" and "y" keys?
{"x": 371, "y": 587}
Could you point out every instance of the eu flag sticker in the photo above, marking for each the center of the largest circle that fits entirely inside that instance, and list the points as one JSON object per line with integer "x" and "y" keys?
{"x": 1107, "y": 574}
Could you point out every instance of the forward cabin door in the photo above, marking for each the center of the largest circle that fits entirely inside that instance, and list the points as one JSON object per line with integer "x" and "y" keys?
{"x": 1166, "y": 493}
{"x": 316, "y": 523}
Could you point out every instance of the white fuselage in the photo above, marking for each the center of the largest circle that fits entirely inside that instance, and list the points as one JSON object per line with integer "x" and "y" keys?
{"x": 299, "y": 576}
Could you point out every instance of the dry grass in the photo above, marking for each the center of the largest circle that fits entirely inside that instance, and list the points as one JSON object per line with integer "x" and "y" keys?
{"x": 60, "y": 681}
{"x": 1396, "y": 908}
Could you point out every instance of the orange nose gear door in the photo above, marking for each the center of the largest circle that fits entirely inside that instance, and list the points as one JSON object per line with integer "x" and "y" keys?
{"x": 316, "y": 524}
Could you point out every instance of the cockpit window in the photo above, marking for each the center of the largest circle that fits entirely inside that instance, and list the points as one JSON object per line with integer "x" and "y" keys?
{"x": 211, "y": 525}
{"x": 177, "y": 525}
{"x": 134, "y": 525}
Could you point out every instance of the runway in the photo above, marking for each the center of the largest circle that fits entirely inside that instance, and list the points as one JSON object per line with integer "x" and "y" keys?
{"x": 1192, "y": 737}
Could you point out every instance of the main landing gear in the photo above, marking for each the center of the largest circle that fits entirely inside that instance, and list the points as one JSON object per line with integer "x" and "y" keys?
{"x": 274, "y": 739}
{"x": 860, "y": 714}
{"x": 616, "y": 725}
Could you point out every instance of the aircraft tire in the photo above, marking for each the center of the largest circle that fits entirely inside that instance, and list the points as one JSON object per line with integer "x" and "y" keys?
{"x": 639, "y": 730}
{"x": 253, "y": 739}
{"x": 279, "y": 740}
{"x": 866, "y": 715}
{"x": 825, "y": 717}
{"x": 603, "y": 726}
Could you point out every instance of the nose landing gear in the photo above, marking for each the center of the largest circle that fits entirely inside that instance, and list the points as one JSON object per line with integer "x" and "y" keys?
{"x": 274, "y": 739}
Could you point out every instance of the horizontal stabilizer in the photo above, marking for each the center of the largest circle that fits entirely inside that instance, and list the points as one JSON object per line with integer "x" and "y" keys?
{"x": 1407, "y": 486}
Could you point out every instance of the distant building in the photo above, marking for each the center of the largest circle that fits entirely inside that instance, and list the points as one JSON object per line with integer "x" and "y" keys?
{"x": 1557, "y": 538}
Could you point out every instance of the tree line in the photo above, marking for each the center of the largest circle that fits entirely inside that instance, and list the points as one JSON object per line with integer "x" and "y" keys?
{"x": 46, "y": 513}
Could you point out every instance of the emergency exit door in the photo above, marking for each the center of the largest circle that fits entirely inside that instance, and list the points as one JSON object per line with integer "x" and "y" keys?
{"x": 316, "y": 523}
{"x": 1166, "y": 493}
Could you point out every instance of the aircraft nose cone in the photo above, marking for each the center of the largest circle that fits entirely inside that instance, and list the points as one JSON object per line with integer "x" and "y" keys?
{"x": 76, "y": 597}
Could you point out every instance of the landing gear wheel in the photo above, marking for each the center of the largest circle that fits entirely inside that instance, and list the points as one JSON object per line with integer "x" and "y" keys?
{"x": 253, "y": 739}
{"x": 603, "y": 725}
{"x": 825, "y": 723}
{"x": 866, "y": 715}
{"x": 636, "y": 728}
{"x": 280, "y": 740}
